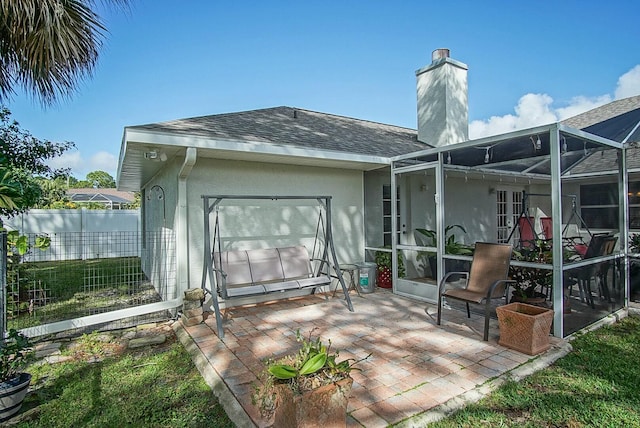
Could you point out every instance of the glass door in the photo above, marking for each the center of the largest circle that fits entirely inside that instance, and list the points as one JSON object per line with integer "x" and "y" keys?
{"x": 416, "y": 240}
{"x": 508, "y": 209}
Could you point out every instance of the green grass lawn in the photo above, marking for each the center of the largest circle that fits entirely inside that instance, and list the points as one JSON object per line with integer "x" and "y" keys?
{"x": 156, "y": 387}
{"x": 73, "y": 288}
{"x": 596, "y": 385}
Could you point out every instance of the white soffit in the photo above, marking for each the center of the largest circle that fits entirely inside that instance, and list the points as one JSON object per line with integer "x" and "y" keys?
{"x": 134, "y": 170}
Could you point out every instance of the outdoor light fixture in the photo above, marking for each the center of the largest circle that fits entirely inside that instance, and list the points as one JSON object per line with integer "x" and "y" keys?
{"x": 564, "y": 144}
{"x": 155, "y": 155}
{"x": 151, "y": 155}
{"x": 449, "y": 158}
{"x": 537, "y": 144}
{"x": 487, "y": 153}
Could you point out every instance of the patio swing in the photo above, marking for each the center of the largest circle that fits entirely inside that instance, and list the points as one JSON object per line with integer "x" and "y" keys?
{"x": 235, "y": 274}
{"x": 527, "y": 231}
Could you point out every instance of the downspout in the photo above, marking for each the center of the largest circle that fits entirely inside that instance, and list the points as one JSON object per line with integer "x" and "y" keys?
{"x": 182, "y": 235}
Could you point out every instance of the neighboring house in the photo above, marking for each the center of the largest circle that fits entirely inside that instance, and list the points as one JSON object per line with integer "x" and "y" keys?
{"x": 385, "y": 181}
{"x": 113, "y": 199}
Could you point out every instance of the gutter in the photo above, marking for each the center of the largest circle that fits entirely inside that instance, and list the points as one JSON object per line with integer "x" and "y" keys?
{"x": 182, "y": 235}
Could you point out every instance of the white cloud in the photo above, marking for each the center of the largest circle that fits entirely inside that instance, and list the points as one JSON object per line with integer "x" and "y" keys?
{"x": 80, "y": 166}
{"x": 532, "y": 110}
{"x": 103, "y": 161}
{"x": 71, "y": 160}
{"x": 581, "y": 104}
{"x": 537, "y": 109}
{"x": 629, "y": 84}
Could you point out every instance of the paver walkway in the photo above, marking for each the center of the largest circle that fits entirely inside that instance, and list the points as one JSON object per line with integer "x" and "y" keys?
{"x": 415, "y": 365}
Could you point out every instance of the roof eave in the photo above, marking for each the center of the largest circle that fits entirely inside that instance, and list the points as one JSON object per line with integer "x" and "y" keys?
{"x": 134, "y": 170}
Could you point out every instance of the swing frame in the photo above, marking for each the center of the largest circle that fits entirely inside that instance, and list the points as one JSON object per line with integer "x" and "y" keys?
{"x": 212, "y": 248}
{"x": 524, "y": 213}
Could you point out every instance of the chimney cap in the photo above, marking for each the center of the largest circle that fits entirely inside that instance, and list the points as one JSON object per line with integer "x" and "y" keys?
{"x": 439, "y": 54}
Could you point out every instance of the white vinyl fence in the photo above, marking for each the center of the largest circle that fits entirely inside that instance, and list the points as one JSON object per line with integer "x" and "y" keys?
{"x": 81, "y": 234}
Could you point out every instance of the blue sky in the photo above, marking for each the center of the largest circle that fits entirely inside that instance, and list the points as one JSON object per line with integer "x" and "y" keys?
{"x": 529, "y": 63}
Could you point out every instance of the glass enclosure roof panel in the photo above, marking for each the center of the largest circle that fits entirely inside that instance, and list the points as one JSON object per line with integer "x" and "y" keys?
{"x": 619, "y": 128}
{"x": 525, "y": 152}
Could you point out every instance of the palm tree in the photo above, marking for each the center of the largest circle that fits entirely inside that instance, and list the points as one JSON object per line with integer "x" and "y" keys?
{"x": 48, "y": 46}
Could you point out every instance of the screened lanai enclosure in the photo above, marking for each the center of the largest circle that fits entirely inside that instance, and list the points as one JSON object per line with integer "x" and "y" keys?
{"x": 557, "y": 194}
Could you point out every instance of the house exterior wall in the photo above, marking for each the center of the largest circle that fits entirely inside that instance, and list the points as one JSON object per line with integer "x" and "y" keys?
{"x": 259, "y": 224}
{"x": 158, "y": 212}
{"x": 471, "y": 204}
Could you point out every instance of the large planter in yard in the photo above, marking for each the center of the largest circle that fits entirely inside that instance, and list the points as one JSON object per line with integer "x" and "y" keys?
{"x": 12, "y": 393}
{"x": 524, "y": 327}
{"x": 15, "y": 353}
{"x": 306, "y": 389}
{"x": 325, "y": 406}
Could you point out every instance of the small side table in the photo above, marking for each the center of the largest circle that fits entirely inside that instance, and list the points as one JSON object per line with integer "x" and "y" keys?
{"x": 352, "y": 272}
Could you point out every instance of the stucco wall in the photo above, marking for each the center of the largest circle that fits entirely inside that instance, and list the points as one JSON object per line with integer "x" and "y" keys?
{"x": 255, "y": 224}
{"x": 159, "y": 206}
{"x": 471, "y": 205}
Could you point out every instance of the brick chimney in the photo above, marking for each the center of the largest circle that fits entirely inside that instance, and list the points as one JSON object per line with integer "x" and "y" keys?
{"x": 443, "y": 112}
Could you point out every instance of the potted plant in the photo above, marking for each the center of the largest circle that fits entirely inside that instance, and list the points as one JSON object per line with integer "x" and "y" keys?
{"x": 451, "y": 246}
{"x": 528, "y": 281}
{"x": 308, "y": 389}
{"x": 15, "y": 353}
{"x": 384, "y": 274}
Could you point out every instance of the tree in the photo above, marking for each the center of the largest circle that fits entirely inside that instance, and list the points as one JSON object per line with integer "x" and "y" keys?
{"x": 22, "y": 164}
{"x": 54, "y": 193}
{"x": 48, "y": 46}
{"x": 101, "y": 180}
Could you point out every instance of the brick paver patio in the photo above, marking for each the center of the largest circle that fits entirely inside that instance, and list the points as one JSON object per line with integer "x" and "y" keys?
{"x": 414, "y": 365}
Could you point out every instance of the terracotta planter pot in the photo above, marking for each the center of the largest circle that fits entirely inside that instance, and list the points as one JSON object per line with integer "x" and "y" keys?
{"x": 524, "y": 328}
{"x": 12, "y": 393}
{"x": 322, "y": 407}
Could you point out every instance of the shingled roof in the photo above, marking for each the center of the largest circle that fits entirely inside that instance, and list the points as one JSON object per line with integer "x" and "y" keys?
{"x": 107, "y": 196}
{"x": 617, "y": 120}
{"x": 297, "y": 127}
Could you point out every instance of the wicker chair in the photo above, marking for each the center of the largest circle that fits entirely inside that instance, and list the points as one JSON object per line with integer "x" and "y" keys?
{"x": 487, "y": 279}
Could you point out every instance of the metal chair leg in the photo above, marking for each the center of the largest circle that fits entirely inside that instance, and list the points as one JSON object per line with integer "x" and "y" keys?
{"x": 487, "y": 313}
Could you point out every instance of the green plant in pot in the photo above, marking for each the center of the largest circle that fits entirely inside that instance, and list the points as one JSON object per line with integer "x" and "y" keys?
{"x": 384, "y": 269}
{"x": 310, "y": 387}
{"x": 529, "y": 281}
{"x": 451, "y": 246}
{"x": 15, "y": 354}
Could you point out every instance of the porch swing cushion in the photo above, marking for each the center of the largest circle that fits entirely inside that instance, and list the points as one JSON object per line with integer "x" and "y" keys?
{"x": 262, "y": 271}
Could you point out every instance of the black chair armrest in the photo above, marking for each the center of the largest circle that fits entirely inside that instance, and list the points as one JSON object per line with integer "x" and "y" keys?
{"x": 449, "y": 275}
{"x": 495, "y": 285}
